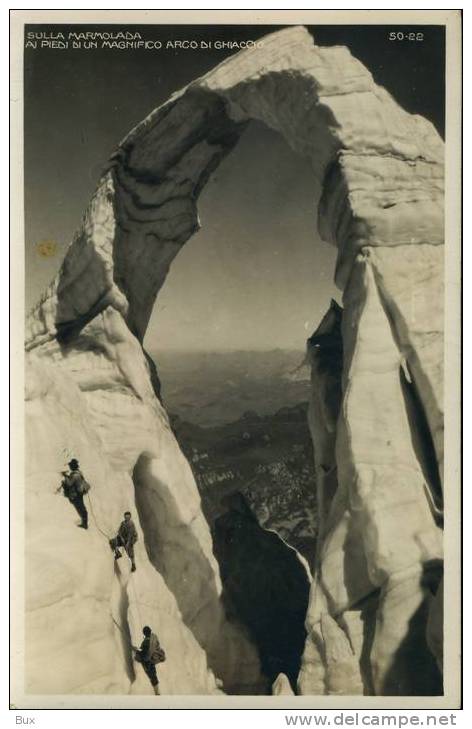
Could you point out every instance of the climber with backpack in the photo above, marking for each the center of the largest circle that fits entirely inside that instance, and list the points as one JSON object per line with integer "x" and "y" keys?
{"x": 75, "y": 487}
{"x": 149, "y": 654}
{"x": 127, "y": 537}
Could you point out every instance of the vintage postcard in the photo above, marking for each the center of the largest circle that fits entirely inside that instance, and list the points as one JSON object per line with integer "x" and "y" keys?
{"x": 236, "y": 273}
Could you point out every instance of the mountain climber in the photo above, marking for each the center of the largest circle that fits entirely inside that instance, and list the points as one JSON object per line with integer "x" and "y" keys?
{"x": 148, "y": 655}
{"x": 75, "y": 487}
{"x": 127, "y": 537}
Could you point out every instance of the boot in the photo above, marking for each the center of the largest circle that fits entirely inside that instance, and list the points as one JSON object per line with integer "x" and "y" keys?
{"x": 133, "y": 567}
{"x": 83, "y": 526}
{"x": 156, "y": 689}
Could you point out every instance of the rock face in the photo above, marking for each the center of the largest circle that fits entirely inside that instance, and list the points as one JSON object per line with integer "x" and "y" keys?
{"x": 267, "y": 459}
{"x": 92, "y": 393}
{"x": 266, "y": 584}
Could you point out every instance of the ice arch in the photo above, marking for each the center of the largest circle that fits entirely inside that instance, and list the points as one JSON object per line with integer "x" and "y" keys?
{"x": 381, "y": 175}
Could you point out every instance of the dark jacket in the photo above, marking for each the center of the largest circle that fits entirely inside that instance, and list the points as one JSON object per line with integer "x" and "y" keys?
{"x": 73, "y": 485}
{"x": 127, "y": 532}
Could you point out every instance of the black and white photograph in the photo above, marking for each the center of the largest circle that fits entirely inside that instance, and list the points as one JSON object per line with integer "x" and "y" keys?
{"x": 239, "y": 464}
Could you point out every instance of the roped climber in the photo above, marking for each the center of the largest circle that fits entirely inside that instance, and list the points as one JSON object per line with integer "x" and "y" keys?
{"x": 75, "y": 487}
{"x": 127, "y": 537}
{"x": 149, "y": 654}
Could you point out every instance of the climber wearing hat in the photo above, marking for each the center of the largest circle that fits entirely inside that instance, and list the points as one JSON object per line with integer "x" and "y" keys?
{"x": 75, "y": 487}
{"x": 127, "y": 537}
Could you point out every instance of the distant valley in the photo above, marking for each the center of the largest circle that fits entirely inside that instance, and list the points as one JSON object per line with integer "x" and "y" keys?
{"x": 212, "y": 388}
{"x": 240, "y": 418}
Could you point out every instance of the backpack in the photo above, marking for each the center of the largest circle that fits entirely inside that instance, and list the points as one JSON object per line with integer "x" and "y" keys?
{"x": 72, "y": 490}
{"x": 156, "y": 654}
{"x": 159, "y": 655}
{"x": 84, "y": 487}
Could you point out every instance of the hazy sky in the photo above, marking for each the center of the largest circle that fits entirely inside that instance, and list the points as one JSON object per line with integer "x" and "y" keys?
{"x": 256, "y": 275}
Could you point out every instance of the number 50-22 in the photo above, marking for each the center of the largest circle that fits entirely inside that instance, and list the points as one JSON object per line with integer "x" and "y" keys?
{"x": 405, "y": 36}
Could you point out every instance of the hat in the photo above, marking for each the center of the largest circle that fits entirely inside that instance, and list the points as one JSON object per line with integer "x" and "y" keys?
{"x": 73, "y": 463}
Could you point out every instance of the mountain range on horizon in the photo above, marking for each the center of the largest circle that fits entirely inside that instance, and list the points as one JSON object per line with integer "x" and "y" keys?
{"x": 213, "y": 388}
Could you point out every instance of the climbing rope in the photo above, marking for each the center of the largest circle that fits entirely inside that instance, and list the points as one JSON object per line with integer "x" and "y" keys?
{"x": 118, "y": 625}
{"x": 133, "y": 587}
{"x": 107, "y": 536}
{"x": 74, "y": 421}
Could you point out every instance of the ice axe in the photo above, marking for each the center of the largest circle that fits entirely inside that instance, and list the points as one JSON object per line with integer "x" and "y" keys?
{"x": 56, "y": 491}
